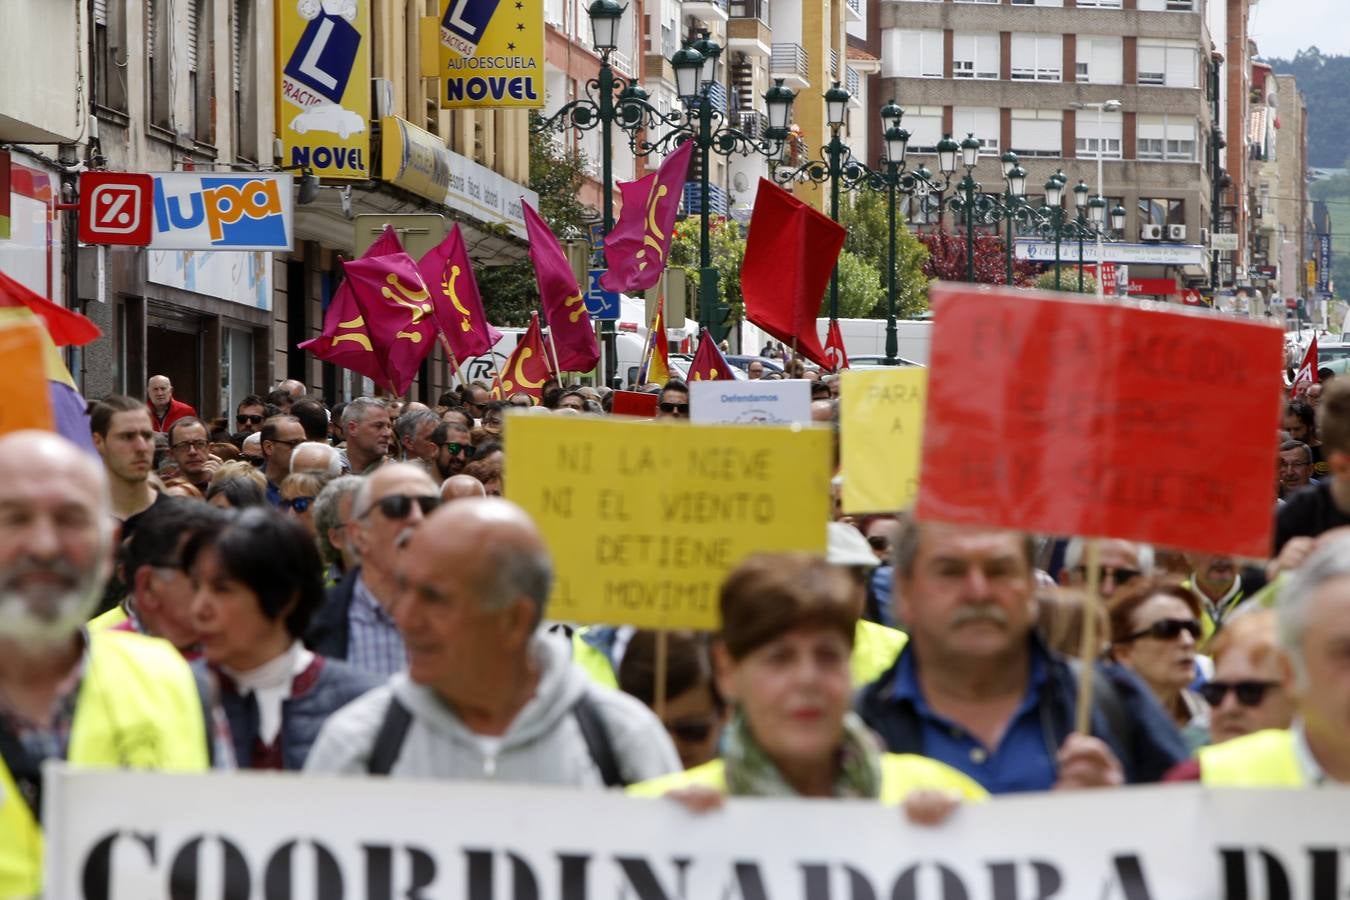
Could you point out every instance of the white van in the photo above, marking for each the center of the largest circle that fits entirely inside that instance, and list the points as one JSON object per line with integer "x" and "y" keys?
{"x": 867, "y": 337}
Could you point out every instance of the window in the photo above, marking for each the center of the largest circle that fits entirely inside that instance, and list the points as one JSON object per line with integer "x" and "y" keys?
{"x": 1165, "y": 5}
{"x": 201, "y": 71}
{"x": 1100, "y": 60}
{"x": 913, "y": 53}
{"x": 979, "y": 121}
{"x": 975, "y": 56}
{"x": 1101, "y": 4}
{"x": 1037, "y": 132}
{"x": 1089, "y": 138}
{"x": 1167, "y": 138}
{"x": 110, "y": 54}
{"x": 1155, "y": 211}
{"x": 924, "y": 124}
{"x": 1169, "y": 63}
{"x": 1037, "y": 2}
{"x": 158, "y": 59}
{"x": 243, "y": 68}
{"x": 1037, "y": 57}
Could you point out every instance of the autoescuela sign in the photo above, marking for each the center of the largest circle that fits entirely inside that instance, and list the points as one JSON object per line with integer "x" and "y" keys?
{"x": 124, "y": 834}
{"x": 492, "y": 54}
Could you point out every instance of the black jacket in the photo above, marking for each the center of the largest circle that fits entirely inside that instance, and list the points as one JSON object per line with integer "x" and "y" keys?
{"x": 1124, "y": 714}
{"x": 329, "y": 629}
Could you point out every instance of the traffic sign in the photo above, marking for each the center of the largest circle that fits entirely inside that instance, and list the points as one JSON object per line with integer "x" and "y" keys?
{"x": 115, "y": 208}
{"x": 602, "y": 305}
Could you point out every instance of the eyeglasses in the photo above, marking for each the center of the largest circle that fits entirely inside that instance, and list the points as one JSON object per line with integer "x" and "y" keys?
{"x": 454, "y": 447}
{"x": 298, "y": 504}
{"x": 682, "y": 408}
{"x": 694, "y": 732}
{"x": 199, "y": 446}
{"x": 877, "y": 542}
{"x": 292, "y": 444}
{"x": 1103, "y": 572}
{"x": 1293, "y": 464}
{"x": 1165, "y": 630}
{"x": 1249, "y": 693}
{"x": 248, "y": 420}
{"x": 399, "y": 506}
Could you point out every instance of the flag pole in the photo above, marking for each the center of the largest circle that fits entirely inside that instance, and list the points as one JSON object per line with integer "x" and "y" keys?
{"x": 1088, "y": 648}
{"x": 557, "y": 369}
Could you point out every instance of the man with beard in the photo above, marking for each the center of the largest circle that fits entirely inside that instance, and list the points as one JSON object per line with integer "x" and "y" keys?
{"x": 454, "y": 449}
{"x": 146, "y": 712}
{"x": 1221, "y": 586}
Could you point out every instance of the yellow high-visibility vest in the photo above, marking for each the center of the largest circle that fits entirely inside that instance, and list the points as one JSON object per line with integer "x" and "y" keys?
{"x": 1266, "y": 759}
{"x": 138, "y": 708}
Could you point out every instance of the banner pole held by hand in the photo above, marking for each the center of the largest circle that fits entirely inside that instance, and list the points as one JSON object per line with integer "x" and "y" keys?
{"x": 662, "y": 651}
{"x": 1088, "y": 649}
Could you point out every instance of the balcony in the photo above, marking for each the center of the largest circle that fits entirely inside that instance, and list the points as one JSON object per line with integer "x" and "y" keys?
{"x": 790, "y": 63}
{"x": 753, "y": 123}
{"x": 750, "y": 35}
{"x": 853, "y": 10}
{"x": 622, "y": 63}
{"x": 717, "y": 97}
{"x": 707, "y": 10}
{"x": 693, "y": 199}
{"x": 750, "y": 9}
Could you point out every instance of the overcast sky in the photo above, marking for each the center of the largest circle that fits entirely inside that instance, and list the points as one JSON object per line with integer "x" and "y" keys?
{"x": 1283, "y": 27}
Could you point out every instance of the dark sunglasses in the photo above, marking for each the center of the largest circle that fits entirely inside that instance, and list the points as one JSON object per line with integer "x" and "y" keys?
{"x": 299, "y": 504}
{"x": 675, "y": 407}
{"x": 1121, "y": 575}
{"x": 693, "y": 732}
{"x": 399, "y": 506}
{"x": 1165, "y": 630}
{"x": 248, "y": 420}
{"x": 455, "y": 448}
{"x": 1249, "y": 693}
{"x": 877, "y": 542}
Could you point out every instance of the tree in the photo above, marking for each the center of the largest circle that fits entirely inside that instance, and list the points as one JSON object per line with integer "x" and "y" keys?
{"x": 860, "y": 290}
{"x": 726, "y": 240}
{"x": 864, "y": 215}
{"x": 1068, "y": 280}
{"x": 947, "y": 259}
{"x": 557, "y": 174}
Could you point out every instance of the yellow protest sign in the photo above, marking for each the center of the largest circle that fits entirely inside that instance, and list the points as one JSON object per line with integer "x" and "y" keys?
{"x": 24, "y": 403}
{"x": 323, "y": 86}
{"x": 644, "y": 520}
{"x": 881, "y": 437}
{"x": 492, "y": 54}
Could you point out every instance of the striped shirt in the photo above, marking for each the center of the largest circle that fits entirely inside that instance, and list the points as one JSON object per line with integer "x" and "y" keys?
{"x": 373, "y": 644}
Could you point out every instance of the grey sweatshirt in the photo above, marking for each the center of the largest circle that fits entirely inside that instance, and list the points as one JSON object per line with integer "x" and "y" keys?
{"x": 544, "y": 745}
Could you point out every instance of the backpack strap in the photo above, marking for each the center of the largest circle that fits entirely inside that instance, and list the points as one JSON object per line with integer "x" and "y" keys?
{"x": 389, "y": 739}
{"x": 597, "y": 741}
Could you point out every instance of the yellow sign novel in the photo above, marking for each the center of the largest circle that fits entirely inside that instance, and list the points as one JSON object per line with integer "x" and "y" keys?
{"x": 492, "y": 54}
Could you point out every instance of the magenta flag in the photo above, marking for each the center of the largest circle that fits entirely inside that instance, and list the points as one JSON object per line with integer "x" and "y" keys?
{"x": 345, "y": 339}
{"x": 398, "y": 311}
{"x": 635, "y": 251}
{"x": 458, "y": 306}
{"x": 564, "y": 307}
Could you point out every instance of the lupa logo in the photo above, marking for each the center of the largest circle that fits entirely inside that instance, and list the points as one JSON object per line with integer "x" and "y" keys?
{"x": 234, "y": 211}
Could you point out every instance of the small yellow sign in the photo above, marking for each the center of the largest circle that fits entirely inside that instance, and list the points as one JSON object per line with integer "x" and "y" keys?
{"x": 644, "y": 520}
{"x": 881, "y": 437}
{"x": 24, "y": 403}
{"x": 492, "y": 54}
{"x": 323, "y": 86}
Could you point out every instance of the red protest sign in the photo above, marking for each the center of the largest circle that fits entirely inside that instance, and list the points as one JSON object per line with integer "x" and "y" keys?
{"x": 634, "y": 403}
{"x": 1104, "y": 420}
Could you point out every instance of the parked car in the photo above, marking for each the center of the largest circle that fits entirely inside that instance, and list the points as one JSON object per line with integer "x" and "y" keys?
{"x": 743, "y": 363}
{"x": 871, "y": 361}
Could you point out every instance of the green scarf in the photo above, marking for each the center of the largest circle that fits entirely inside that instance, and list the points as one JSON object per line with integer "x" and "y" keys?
{"x": 750, "y": 772}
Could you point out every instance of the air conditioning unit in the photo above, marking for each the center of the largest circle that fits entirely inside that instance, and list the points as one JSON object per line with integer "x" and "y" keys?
{"x": 1151, "y": 233}
{"x": 1176, "y": 232}
{"x": 1204, "y": 237}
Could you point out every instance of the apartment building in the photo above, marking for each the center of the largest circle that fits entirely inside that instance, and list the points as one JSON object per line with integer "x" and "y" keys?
{"x": 1030, "y": 75}
{"x": 1282, "y": 238}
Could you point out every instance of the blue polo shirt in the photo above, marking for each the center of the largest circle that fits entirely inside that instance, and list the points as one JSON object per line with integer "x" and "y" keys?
{"x": 1020, "y": 762}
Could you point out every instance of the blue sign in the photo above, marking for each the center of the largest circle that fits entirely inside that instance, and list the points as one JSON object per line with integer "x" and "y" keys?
{"x": 324, "y": 56}
{"x": 1324, "y": 264}
{"x": 600, "y": 303}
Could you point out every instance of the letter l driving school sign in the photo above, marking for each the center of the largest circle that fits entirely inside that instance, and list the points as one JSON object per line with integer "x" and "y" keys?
{"x": 323, "y": 86}
{"x": 492, "y": 53}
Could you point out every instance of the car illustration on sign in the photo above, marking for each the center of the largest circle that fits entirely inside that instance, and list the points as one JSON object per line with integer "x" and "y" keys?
{"x": 329, "y": 117}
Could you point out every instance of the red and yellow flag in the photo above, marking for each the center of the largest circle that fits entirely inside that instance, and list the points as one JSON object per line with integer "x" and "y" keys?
{"x": 527, "y": 368}
{"x": 656, "y": 360}
{"x": 709, "y": 364}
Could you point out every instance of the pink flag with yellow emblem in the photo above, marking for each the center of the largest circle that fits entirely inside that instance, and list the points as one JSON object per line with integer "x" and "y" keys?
{"x": 458, "y": 305}
{"x": 564, "y": 308}
{"x": 398, "y": 312}
{"x": 635, "y": 251}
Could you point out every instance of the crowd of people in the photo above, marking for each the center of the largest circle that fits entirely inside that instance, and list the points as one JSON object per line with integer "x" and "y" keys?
{"x": 345, "y": 591}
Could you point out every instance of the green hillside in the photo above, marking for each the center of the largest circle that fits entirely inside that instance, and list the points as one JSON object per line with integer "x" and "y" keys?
{"x": 1322, "y": 81}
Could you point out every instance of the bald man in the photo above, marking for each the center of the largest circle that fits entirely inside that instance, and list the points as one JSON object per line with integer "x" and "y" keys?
{"x": 356, "y": 622}
{"x": 56, "y": 540}
{"x": 164, "y": 409}
{"x": 459, "y": 487}
{"x": 487, "y": 694}
{"x": 295, "y": 388}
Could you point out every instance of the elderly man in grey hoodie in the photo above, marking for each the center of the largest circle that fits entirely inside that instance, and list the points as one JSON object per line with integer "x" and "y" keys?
{"x": 488, "y": 694}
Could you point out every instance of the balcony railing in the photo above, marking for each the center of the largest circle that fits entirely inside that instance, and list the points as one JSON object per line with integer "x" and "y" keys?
{"x": 750, "y": 9}
{"x": 789, "y": 61}
{"x": 693, "y": 199}
{"x": 622, "y": 63}
{"x": 856, "y": 6}
{"x": 853, "y": 83}
{"x": 753, "y": 123}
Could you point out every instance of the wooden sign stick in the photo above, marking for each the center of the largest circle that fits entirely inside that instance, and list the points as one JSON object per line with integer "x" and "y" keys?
{"x": 1089, "y": 647}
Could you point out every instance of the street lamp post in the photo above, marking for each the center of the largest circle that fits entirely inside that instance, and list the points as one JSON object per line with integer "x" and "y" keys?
{"x": 1080, "y": 200}
{"x": 989, "y": 209}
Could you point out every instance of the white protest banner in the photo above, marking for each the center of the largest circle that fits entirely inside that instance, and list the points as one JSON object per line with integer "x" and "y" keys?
{"x": 121, "y": 835}
{"x": 750, "y": 402}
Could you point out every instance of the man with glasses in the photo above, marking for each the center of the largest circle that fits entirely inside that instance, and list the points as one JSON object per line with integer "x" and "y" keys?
{"x": 356, "y": 621}
{"x": 1120, "y": 562}
{"x": 249, "y": 416}
{"x": 190, "y": 447}
{"x": 453, "y": 449}
{"x": 280, "y": 435}
{"x": 1295, "y": 467}
{"x": 674, "y": 402}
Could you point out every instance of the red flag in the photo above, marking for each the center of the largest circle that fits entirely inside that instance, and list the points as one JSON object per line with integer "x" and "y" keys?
{"x": 1307, "y": 371}
{"x": 635, "y": 251}
{"x": 345, "y": 340}
{"x": 564, "y": 309}
{"x": 459, "y": 307}
{"x": 709, "y": 364}
{"x": 834, "y": 347}
{"x": 66, "y": 328}
{"x": 789, "y": 253}
{"x": 527, "y": 367}
{"x": 398, "y": 311}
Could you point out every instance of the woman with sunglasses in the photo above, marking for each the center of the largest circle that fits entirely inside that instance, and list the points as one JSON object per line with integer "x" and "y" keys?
{"x": 256, "y": 580}
{"x": 297, "y": 497}
{"x": 1154, "y": 629}
{"x": 782, "y": 661}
